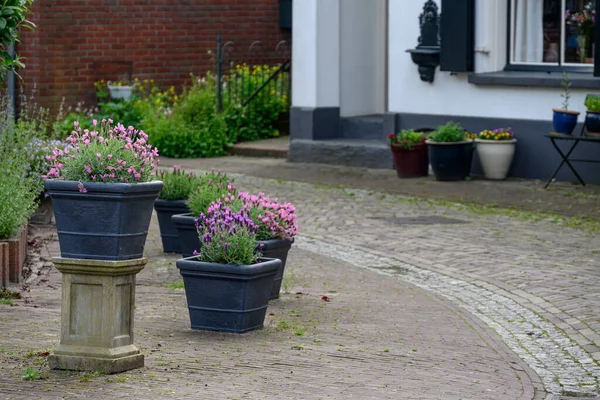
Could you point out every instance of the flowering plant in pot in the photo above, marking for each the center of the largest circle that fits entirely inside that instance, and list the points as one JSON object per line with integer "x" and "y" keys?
{"x": 450, "y": 152}
{"x": 592, "y": 115}
{"x": 172, "y": 200}
{"x": 276, "y": 228}
{"x": 121, "y": 89}
{"x": 410, "y": 153}
{"x": 227, "y": 283}
{"x": 211, "y": 186}
{"x": 564, "y": 120}
{"x": 496, "y": 150}
{"x": 102, "y": 191}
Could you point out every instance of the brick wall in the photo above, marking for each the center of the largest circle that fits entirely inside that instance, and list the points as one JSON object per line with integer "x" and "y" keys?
{"x": 80, "y": 41}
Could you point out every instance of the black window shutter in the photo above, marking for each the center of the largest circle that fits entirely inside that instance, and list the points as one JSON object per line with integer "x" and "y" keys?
{"x": 597, "y": 44}
{"x": 457, "y": 31}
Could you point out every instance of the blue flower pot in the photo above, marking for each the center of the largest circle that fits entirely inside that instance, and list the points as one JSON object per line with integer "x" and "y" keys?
{"x": 564, "y": 121}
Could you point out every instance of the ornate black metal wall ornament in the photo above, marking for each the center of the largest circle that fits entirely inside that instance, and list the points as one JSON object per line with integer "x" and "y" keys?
{"x": 427, "y": 53}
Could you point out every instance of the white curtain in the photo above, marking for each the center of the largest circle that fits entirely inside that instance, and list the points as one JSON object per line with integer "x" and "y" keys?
{"x": 528, "y": 30}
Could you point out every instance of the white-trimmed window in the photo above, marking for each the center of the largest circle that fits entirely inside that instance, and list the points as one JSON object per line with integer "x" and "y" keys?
{"x": 551, "y": 33}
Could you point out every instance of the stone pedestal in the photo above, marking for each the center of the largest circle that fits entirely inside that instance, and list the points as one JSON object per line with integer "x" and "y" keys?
{"x": 98, "y": 300}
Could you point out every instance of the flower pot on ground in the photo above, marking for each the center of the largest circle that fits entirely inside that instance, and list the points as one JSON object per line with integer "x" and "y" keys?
{"x": 496, "y": 150}
{"x": 592, "y": 117}
{"x": 172, "y": 200}
{"x": 409, "y": 150}
{"x": 563, "y": 119}
{"x": 277, "y": 226}
{"x": 102, "y": 192}
{"x": 450, "y": 152}
{"x": 208, "y": 188}
{"x": 228, "y": 284}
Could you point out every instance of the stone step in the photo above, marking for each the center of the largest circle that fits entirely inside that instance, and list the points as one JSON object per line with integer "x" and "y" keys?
{"x": 351, "y": 152}
{"x": 268, "y": 148}
{"x": 363, "y": 127}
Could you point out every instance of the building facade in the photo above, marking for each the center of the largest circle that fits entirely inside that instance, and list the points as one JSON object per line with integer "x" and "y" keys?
{"x": 502, "y": 64}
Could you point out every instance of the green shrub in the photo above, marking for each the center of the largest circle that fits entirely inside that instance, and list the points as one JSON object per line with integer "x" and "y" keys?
{"x": 65, "y": 119}
{"x": 212, "y": 186}
{"x": 258, "y": 119}
{"x": 18, "y": 189}
{"x": 177, "y": 184}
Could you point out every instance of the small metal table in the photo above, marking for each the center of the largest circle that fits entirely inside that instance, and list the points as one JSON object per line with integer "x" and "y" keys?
{"x": 565, "y": 157}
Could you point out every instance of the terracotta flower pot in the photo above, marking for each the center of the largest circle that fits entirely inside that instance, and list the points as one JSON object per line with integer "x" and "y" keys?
{"x": 411, "y": 163}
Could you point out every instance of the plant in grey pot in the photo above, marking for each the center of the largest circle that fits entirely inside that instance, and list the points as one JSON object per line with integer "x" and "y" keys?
{"x": 211, "y": 186}
{"x": 103, "y": 191}
{"x": 172, "y": 200}
{"x": 277, "y": 226}
{"x": 227, "y": 283}
{"x": 450, "y": 152}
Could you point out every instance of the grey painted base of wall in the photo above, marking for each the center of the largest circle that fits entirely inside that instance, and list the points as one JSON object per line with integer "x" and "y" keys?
{"x": 356, "y": 153}
{"x": 317, "y": 136}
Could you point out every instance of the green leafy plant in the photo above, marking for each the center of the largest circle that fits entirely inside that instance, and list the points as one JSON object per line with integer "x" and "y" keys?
{"x": 592, "y": 103}
{"x": 448, "y": 133}
{"x": 406, "y": 139}
{"x": 211, "y": 186}
{"x": 31, "y": 374}
{"x": 177, "y": 184}
{"x": 7, "y": 302}
{"x": 12, "y": 18}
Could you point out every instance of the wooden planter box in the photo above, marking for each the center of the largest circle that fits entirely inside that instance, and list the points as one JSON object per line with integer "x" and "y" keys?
{"x": 12, "y": 258}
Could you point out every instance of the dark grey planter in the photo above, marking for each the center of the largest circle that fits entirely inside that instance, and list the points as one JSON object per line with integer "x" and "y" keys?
{"x": 277, "y": 248}
{"x": 109, "y": 222}
{"x": 451, "y": 161}
{"x": 185, "y": 224}
{"x": 228, "y": 298}
{"x": 165, "y": 209}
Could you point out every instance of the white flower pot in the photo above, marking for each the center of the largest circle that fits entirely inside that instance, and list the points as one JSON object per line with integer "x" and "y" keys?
{"x": 495, "y": 157}
{"x": 121, "y": 92}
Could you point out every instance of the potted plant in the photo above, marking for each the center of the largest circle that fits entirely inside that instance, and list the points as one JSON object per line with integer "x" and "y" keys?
{"x": 172, "y": 200}
{"x": 496, "y": 150}
{"x": 227, "y": 283}
{"x": 277, "y": 227}
{"x": 450, "y": 152}
{"x": 592, "y": 115}
{"x": 410, "y": 153}
{"x": 564, "y": 120}
{"x": 211, "y": 186}
{"x": 102, "y": 192}
{"x": 122, "y": 89}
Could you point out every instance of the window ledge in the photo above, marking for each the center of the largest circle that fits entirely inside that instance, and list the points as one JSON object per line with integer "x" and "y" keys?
{"x": 534, "y": 78}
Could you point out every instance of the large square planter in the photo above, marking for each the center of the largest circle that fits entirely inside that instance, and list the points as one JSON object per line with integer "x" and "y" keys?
{"x": 496, "y": 157}
{"x": 185, "y": 224}
{"x": 451, "y": 161}
{"x": 276, "y": 248}
{"x": 165, "y": 209}
{"x": 411, "y": 163}
{"x": 108, "y": 222}
{"x": 229, "y": 298}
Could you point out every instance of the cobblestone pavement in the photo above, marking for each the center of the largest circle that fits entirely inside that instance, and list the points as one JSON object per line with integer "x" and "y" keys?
{"x": 376, "y": 338}
{"x": 427, "y": 301}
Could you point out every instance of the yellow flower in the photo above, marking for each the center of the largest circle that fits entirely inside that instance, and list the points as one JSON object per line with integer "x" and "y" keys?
{"x": 145, "y": 80}
{"x": 151, "y": 80}
{"x": 172, "y": 89}
{"x": 136, "y": 79}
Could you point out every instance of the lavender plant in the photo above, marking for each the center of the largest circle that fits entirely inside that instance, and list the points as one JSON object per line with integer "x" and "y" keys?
{"x": 211, "y": 186}
{"x": 274, "y": 220}
{"x": 177, "y": 184}
{"x": 105, "y": 155}
{"x": 226, "y": 236}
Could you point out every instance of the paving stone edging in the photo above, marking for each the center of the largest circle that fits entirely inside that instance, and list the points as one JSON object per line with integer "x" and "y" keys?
{"x": 563, "y": 366}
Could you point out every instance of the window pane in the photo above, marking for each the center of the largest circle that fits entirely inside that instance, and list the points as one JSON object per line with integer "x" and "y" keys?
{"x": 536, "y": 31}
{"x": 580, "y": 18}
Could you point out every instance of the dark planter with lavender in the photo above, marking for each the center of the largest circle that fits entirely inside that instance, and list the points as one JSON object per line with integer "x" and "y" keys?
{"x": 109, "y": 221}
{"x": 169, "y": 236}
{"x": 276, "y": 248}
{"x": 185, "y": 224}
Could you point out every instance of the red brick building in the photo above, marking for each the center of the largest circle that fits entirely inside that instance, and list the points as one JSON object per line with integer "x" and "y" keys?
{"x": 78, "y": 42}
